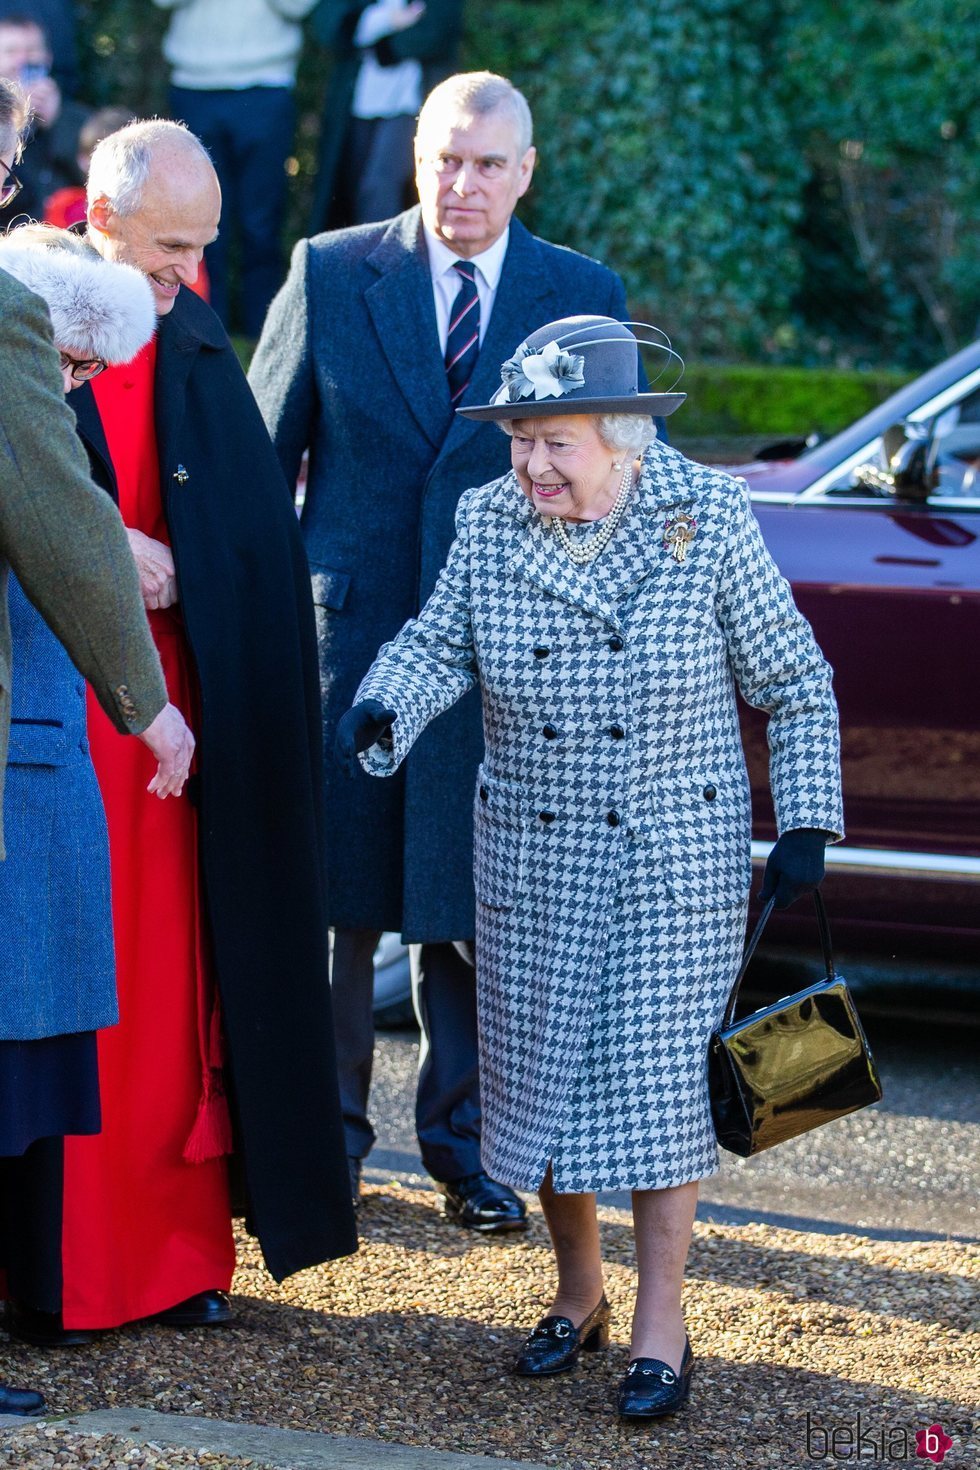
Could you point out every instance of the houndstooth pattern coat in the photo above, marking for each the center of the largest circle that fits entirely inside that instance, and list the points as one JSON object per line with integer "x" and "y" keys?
{"x": 612, "y": 809}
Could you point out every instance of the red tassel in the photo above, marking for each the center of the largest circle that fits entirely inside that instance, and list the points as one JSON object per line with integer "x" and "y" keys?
{"x": 210, "y": 1138}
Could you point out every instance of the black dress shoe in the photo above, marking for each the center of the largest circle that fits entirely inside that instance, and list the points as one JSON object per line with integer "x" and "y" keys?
{"x": 41, "y": 1329}
{"x": 651, "y": 1389}
{"x": 555, "y": 1343}
{"x": 20, "y": 1401}
{"x": 480, "y": 1203}
{"x": 206, "y": 1309}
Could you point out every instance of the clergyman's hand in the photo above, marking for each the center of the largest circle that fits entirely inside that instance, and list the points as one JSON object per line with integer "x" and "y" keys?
{"x": 155, "y": 565}
{"x": 359, "y": 729}
{"x": 795, "y": 866}
{"x": 170, "y": 740}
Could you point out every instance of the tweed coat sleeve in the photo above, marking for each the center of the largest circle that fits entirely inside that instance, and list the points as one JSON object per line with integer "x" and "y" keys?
{"x": 779, "y": 668}
{"x": 432, "y": 661}
{"x": 281, "y": 373}
{"x": 62, "y": 535}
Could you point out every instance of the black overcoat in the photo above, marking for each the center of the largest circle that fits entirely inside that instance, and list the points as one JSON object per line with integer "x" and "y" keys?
{"x": 245, "y": 595}
{"x": 349, "y": 364}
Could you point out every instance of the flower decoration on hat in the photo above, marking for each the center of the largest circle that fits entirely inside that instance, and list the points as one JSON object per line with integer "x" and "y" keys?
{"x": 549, "y": 373}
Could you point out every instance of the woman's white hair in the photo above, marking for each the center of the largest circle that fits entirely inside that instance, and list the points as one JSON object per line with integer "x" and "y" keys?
{"x": 121, "y": 163}
{"x": 622, "y": 432}
{"x": 99, "y": 308}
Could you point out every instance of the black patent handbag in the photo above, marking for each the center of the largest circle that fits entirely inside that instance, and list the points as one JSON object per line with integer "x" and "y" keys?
{"x": 791, "y": 1066}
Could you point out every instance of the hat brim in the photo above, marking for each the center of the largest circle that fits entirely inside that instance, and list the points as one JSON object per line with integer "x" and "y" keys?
{"x": 656, "y": 405}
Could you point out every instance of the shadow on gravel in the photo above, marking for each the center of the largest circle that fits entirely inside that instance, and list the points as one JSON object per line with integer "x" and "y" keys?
{"x": 832, "y": 1278}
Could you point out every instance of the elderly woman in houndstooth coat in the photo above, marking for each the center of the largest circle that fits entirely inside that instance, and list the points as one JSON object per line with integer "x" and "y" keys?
{"x": 608, "y": 596}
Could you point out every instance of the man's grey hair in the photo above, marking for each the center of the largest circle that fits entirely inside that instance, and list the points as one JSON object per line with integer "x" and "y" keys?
{"x": 121, "y": 163}
{"x": 475, "y": 94}
{"x": 622, "y": 432}
{"x": 13, "y": 116}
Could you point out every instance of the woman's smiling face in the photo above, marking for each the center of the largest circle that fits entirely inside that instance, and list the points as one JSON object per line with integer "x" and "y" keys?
{"x": 563, "y": 466}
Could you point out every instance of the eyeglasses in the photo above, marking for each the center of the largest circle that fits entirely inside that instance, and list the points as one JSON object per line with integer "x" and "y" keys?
{"x": 82, "y": 368}
{"x": 10, "y": 187}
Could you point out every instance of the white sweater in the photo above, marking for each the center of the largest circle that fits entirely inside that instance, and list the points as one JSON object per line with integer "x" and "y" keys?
{"x": 214, "y": 45}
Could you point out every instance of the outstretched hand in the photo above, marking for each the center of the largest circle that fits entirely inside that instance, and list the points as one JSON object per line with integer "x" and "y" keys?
{"x": 795, "y": 866}
{"x": 359, "y": 729}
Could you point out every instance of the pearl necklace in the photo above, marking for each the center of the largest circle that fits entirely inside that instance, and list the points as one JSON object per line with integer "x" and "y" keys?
{"x": 582, "y": 552}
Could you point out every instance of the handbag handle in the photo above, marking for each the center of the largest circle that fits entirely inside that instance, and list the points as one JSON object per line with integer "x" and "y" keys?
{"x": 750, "y": 949}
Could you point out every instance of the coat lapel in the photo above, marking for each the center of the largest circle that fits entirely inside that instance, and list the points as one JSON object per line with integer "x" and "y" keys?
{"x": 180, "y": 336}
{"x": 403, "y": 312}
{"x": 92, "y": 435}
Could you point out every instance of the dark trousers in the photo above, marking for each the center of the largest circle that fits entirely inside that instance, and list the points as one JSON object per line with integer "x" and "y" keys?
{"x": 376, "y": 169}
{"x": 248, "y": 134}
{"x": 447, "y": 1101}
{"x": 31, "y": 1202}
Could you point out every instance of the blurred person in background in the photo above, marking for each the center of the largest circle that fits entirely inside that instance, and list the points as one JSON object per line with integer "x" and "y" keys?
{"x": 387, "y": 56}
{"x": 65, "y": 542}
{"x": 57, "y": 19}
{"x": 52, "y": 141}
{"x": 233, "y": 79}
{"x": 66, "y": 207}
{"x": 225, "y": 1040}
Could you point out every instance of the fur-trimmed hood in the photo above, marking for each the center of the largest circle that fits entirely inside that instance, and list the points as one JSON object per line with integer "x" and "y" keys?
{"x": 99, "y": 308}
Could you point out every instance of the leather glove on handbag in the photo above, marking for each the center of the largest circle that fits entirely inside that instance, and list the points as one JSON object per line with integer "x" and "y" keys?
{"x": 795, "y": 866}
{"x": 359, "y": 729}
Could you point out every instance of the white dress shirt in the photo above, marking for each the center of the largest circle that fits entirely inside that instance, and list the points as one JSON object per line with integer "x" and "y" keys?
{"x": 383, "y": 91}
{"x": 446, "y": 282}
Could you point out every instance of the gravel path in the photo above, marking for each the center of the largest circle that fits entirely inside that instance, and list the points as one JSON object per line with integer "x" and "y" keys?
{"x": 410, "y": 1341}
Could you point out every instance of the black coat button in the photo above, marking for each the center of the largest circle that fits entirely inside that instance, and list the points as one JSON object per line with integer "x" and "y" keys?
{"x": 613, "y": 818}
{"x": 549, "y": 732}
{"x": 484, "y": 793}
{"x": 709, "y": 793}
{"x": 616, "y": 643}
{"x": 617, "y": 732}
{"x": 541, "y": 652}
{"x": 547, "y": 816}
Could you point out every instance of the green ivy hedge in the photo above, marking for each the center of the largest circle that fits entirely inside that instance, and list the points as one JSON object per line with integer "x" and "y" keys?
{"x": 741, "y": 399}
{"x": 789, "y": 181}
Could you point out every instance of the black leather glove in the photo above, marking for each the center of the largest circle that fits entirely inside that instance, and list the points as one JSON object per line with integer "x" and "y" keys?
{"x": 795, "y": 866}
{"x": 359, "y": 729}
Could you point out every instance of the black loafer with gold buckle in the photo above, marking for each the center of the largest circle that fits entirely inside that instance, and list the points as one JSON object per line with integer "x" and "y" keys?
{"x": 555, "y": 1343}
{"x": 651, "y": 1389}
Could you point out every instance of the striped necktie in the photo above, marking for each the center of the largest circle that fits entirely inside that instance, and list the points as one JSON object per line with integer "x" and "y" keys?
{"x": 463, "y": 341}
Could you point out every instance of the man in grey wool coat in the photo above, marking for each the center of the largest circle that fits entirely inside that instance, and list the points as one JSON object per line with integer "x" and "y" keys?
{"x": 378, "y": 335}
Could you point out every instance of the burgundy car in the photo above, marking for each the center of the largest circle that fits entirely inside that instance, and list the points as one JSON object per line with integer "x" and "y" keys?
{"x": 878, "y": 530}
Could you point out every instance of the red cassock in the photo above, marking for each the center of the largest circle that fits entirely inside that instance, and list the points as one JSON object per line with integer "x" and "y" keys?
{"x": 144, "y": 1226}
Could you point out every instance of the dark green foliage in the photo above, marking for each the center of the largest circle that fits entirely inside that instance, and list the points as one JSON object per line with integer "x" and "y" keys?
{"x": 774, "y": 400}
{"x": 793, "y": 181}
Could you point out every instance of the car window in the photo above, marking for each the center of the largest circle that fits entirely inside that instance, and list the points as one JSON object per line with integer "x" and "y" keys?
{"x": 954, "y": 417}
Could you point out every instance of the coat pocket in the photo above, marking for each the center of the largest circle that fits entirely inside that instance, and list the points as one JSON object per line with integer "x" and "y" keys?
{"x": 38, "y": 743}
{"x": 499, "y": 841}
{"x": 330, "y": 586}
{"x": 704, "y": 825}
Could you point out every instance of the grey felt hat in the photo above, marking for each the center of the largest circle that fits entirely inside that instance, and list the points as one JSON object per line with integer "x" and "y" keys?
{"x": 580, "y": 364}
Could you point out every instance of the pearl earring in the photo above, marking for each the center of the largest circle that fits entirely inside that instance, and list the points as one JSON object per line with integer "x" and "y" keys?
{"x": 617, "y": 464}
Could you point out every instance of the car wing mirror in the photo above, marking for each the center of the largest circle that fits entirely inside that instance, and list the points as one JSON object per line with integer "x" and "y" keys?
{"x": 906, "y": 466}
